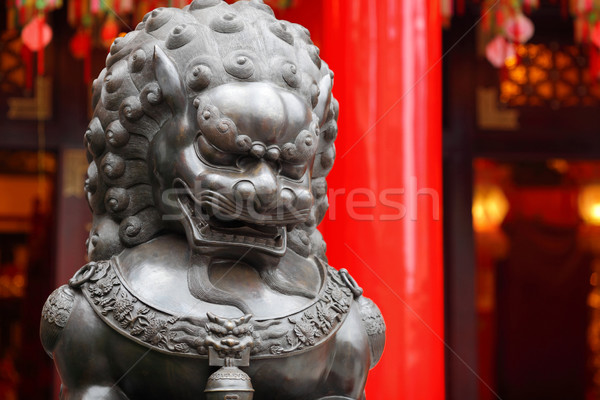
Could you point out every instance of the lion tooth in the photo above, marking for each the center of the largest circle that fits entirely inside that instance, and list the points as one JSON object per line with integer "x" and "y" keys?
{"x": 261, "y": 241}
{"x": 250, "y": 239}
{"x": 228, "y": 236}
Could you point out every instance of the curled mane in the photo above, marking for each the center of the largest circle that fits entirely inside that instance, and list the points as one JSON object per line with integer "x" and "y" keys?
{"x": 242, "y": 42}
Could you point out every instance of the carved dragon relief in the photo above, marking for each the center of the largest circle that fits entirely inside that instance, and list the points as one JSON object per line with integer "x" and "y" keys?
{"x": 190, "y": 335}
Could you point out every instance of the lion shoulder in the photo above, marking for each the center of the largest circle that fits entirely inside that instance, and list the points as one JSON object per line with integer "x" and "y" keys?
{"x": 55, "y": 316}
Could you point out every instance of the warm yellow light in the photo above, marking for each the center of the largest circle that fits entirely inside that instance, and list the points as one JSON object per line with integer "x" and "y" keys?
{"x": 589, "y": 204}
{"x": 510, "y": 62}
{"x": 559, "y": 165}
{"x": 19, "y": 281}
{"x": 490, "y": 207}
{"x": 595, "y": 212}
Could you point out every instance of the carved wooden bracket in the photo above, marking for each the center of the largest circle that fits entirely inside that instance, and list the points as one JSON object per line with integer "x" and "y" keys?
{"x": 492, "y": 117}
{"x": 74, "y": 170}
{"x": 38, "y": 107}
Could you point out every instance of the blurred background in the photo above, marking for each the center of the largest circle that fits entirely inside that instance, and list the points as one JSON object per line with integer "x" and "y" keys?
{"x": 494, "y": 105}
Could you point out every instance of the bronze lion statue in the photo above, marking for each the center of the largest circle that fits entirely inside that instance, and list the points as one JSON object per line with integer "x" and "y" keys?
{"x": 210, "y": 143}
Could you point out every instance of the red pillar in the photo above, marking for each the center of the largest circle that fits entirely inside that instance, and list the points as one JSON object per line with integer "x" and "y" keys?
{"x": 386, "y": 227}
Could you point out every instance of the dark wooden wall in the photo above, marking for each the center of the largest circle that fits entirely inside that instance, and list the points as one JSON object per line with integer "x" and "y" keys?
{"x": 62, "y": 134}
{"x": 459, "y": 265}
{"x": 543, "y": 133}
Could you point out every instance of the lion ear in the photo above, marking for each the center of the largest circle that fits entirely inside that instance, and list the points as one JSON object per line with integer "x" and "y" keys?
{"x": 169, "y": 81}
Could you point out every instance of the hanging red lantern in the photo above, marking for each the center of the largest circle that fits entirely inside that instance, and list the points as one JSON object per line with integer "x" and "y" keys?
{"x": 110, "y": 30}
{"x": 519, "y": 28}
{"x": 81, "y": 48}
{"x": 81, "y": 44}
{"x": 37, "y": 34}
{"x": 498, "y": 51}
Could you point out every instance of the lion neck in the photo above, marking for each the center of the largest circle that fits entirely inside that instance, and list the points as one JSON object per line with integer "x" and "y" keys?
{"x": 161, "y": 273}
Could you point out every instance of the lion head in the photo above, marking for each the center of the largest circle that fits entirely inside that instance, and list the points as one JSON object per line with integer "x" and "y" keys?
{"x": 215, "y": 120}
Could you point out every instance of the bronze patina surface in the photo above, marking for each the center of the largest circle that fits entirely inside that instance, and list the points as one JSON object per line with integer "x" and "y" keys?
{"x": 211, "y": 140}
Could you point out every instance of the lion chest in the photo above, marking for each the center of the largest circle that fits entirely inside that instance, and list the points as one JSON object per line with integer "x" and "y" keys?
{"x": 158, "y": 274}
{"x": 174, "y": 322}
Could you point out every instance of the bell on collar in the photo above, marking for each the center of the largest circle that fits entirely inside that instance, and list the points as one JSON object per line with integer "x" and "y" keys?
{"x": 229, "y": 383}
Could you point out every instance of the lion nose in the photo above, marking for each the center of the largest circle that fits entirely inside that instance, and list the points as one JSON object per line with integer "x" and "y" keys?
{"x": 261, "y": 187}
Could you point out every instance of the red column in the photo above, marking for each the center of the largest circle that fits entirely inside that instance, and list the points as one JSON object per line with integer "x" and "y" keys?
{"x": 384, "y": 223}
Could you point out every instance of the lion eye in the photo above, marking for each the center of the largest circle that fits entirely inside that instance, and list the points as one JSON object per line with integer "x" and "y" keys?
{"x": 213, "y": 156}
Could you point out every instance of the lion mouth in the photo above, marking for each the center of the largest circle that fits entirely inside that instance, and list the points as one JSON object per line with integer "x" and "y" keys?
{"x": 209, "y": 230}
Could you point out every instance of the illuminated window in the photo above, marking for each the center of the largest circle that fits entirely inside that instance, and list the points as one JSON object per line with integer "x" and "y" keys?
{"x": 548, "y": 76}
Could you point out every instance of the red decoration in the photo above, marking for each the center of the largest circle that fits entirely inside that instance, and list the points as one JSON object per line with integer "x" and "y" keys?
{"x": 81, "y": 44}
{"x": 505, "y": 21}
{"x": 595, "y": 36}
{"x": 519, "y": 28}
{"x": 498, "y": 50}
{"x": 27, "y": 57}
{"x": 94, "y": 16}
{"x": 594, "y": 57}
{"x": 110, "y": 30}
{"x": 81, "y": 48}
{"x": 37, "y": 34}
